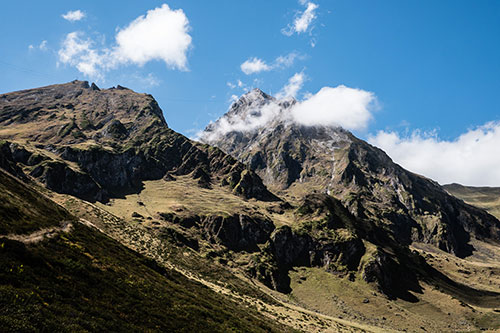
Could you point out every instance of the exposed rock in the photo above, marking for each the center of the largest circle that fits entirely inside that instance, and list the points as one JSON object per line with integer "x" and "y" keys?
{"x": 137, "y": 215}
{"x": 237, "y": 232}
{"x": 61, "y": 178}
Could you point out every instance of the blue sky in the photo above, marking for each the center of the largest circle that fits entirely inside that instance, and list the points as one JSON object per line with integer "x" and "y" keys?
{"x": 433, "y": 66}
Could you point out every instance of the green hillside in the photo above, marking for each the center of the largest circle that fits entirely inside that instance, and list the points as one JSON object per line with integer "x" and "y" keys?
{"x": 81, "y": 280}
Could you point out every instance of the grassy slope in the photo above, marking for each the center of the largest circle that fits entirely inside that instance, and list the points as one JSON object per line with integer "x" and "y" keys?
{"x": 23, "y": 211}
{"x": 85, "y": 281}
{"x": 313, "y": 288}
{"x": 482, "y": 197}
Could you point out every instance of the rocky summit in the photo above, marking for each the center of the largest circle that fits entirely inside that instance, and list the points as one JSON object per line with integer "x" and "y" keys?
{"x": 112, "y": 221}
{"x": 293, "y": 159}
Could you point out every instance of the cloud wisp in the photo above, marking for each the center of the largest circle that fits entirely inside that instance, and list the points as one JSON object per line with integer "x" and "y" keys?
{"x": 42, "y": 47}
{"x": 256, "y": 65}
{"x": 293, "y": 86}
{"x": 303, "y": 22}
{"x": 162, "y": 35}
{"x": 74, "y": 15}
{"x": 470, "y": 159}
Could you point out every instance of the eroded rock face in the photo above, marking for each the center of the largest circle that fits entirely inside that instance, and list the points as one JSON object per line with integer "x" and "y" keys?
{"x": 326, "y": 237}
{"x": 59, "y": 177}
{"x": 238, "y": 232}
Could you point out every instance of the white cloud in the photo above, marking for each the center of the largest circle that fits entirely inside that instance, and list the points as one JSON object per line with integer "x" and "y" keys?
{"x": 342, "y": 106}
{"x": 303, "y": 21}
{"x": 255, "y": 118}
{"x": 233, "y": 98}
{"x": 470, "y": 159}
{"x": 149, "y": 80}
{"x": 293, "y": 86}
{"x": 43, "y": 45}
{"x": 160, "y": 35}
{"x": 286, "y": 60}
{"x": 78, "y": 51}
{"x": 73, "y": 16}
{"x": 254, "y": 65}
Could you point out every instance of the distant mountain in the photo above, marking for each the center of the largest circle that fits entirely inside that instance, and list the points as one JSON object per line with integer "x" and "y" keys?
{"x": 294, "y": 159}
{"x": 487, "y": 198}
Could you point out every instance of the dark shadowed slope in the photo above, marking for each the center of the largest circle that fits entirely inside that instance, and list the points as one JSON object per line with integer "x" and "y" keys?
{"x": 77, "y": 279}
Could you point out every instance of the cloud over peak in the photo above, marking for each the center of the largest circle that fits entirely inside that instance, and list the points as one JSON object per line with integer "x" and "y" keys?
{"x": 342, "y": 106}
{"x": 350, "y": 108}
{"x": 293, "y": 86}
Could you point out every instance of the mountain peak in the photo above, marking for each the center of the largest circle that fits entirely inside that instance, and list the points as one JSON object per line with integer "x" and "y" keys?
{"x": 254, "y": 98}
{"x": 256, "y": 93}
{"x": 76, "y": 112}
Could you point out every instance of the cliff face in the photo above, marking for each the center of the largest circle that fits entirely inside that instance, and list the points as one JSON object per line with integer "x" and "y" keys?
{"x": 293, "y": 160}
{"x": 95, "y": 144}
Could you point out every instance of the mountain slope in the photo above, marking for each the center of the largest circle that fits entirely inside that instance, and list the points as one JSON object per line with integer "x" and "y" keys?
{"x": 311, "y": 262}
{"x": 78, "y": 279}
{"x": 487, "y": 198}
{"x": 97, "y": 144}
{"x": 294, "y": 160}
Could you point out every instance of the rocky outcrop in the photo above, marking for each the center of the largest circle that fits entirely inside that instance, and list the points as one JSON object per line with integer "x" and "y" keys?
{"x": 237, "y": 232}
{"x": 59, "y": 177}
{"x": 412, "y": 207}
{"x": 287, "y": 248}
{"x": 326, "y": 237}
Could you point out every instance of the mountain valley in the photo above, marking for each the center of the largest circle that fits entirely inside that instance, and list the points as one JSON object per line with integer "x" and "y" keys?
{"x": 281, "y": 227}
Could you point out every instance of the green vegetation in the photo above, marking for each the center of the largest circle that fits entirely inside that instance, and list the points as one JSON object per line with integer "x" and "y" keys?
{"x": 85, "y": 281}
{"x": 23, "y": 210}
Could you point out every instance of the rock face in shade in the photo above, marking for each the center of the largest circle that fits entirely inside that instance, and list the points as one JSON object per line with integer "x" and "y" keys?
{"x": 98, "y": 143}
{"x": 293, "y": 159}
